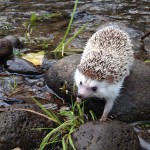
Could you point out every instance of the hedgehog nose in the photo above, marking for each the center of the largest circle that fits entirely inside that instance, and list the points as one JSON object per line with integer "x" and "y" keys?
{"x": 79, "y": 96}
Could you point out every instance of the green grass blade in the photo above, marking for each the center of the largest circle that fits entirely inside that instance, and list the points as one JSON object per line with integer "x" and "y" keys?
{"x": 49, "y": 113}
{"x": 71, "y": 142}
{"x": 45, "y": 140}
{"x": 92, "y": 115}
{"x": 68, "y": 28}
{"x": 71, "y": 20}
{"x": 63, "y": 47}
{"x": 76, "y": 34}
{"x": 80, "y": 110}
{"x": 64, "y": 143}
{"x": 59, "y": 47}
{"x": 147, "y": 61}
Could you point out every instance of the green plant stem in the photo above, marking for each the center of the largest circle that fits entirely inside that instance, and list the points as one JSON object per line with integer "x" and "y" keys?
{"x": 68, "y": 28}
{"x": 45, "y": 140}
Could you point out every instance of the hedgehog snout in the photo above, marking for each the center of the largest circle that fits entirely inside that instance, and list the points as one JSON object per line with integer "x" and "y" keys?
{"x": 80, "y": 96}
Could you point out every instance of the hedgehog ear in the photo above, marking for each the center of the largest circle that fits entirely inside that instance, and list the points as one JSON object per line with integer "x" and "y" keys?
{"x": 109, "y": 78}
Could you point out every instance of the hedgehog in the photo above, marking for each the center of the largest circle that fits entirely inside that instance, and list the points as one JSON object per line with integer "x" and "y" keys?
{"x": 105, "y": 63}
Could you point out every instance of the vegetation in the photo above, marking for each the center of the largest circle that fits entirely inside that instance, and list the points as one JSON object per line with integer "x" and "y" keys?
{"x": 67, "y": 122}
{"x": 64, "y": 42}
{"x": 147, "y": 61}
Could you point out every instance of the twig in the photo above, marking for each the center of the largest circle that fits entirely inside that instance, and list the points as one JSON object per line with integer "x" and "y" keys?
{"x": 145, "y": 35}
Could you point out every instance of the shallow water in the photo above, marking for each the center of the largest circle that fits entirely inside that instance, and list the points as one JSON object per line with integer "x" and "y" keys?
{"x": 14, "y": 14}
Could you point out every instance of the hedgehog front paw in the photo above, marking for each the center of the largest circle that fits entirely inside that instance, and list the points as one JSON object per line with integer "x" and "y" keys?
{"x": 103, "y": 118}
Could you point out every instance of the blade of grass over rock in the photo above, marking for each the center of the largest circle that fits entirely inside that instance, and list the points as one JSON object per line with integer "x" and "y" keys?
{"x": 40, "y": 114}
{"x": 49, "y": 113}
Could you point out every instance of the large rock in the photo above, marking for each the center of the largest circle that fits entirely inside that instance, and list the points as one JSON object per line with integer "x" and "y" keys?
{"x": 18, "y": 65}
{"x": 6, "y": 49}
{"x": 18, "y": 128}
{"x": 111, "y": 135}
{"x": 133, "y": 103}
{"x": 61, "y": 71}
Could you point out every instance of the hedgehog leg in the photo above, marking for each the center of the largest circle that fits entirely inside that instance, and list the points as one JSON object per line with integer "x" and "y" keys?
{"x": 107, "y": 109}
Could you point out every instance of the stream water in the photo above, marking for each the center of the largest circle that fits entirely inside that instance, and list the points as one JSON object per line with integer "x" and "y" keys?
{"x": 52, "y": 17}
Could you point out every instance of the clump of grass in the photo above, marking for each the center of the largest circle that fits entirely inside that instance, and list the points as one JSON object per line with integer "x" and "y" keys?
{"x": 64, "y": 42}
{"x": 67, "y": 122}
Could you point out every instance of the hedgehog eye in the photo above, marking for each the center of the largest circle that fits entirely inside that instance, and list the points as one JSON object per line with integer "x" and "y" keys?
{"x": 94, "y": 89}
{"x": 80, "y": 83}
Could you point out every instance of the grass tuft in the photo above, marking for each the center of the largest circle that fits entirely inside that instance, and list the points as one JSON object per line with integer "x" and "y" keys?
{"x": 67, "y": 122}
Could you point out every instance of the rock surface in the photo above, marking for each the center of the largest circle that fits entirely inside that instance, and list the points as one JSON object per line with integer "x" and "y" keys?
{"x": 14, "y": 40}
{"x": 106, "y": 136}
{"x": 6, "y": 49}
{"x": 133, "y": 103}
{"x": 22, "y": 66}
{"x": 61, "y": 71}
{"x": 17, "y": 128}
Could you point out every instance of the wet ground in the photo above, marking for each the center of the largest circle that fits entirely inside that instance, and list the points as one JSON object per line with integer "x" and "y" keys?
{"x": 53, "y": 17}
{"x": 47, "y": 30}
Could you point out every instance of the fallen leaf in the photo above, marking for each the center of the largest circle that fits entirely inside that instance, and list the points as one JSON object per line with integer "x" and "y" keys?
{"x": 35, "y": 58}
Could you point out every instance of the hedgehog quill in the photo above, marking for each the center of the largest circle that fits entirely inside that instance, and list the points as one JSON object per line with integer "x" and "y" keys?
{"x": 105, "y": 63}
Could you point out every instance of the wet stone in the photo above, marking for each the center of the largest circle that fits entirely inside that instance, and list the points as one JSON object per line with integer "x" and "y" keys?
{"x": 106, "y": 136}
{"x": 14, "y": 40}
{"x": 6, "y": 49}
{"x": 17, "y": 127}
{"x": 22, "y": 66}
{"x": 60, "y": 72}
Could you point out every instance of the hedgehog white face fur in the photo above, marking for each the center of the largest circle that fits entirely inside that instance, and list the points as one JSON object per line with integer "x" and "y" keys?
{"x": 88, "y": 87}
{"x": 105, "y": 63}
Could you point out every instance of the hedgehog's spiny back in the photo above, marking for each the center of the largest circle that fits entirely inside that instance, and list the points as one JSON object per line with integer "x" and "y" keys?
{"x": 108, "y": 52}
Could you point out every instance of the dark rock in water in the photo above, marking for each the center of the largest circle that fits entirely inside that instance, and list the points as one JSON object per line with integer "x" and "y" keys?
{"x": 133, "y": 103}
{"x": 6, "y": 49}
{"x": 14, "y": 40}
{"x": 18, "y": 65}
{"x": 111, "y": 135}
{"x": 17, "y": 127}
